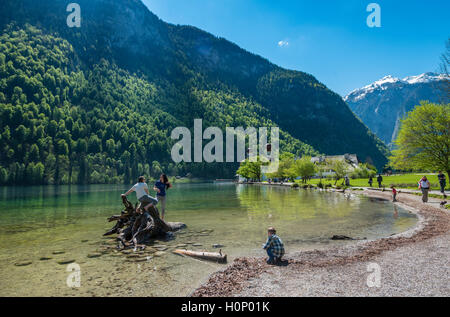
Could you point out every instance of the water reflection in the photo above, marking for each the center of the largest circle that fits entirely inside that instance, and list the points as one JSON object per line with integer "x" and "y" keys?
{"x": 295, "y": 204}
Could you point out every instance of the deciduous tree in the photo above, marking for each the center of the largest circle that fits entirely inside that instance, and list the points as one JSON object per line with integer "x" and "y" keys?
{"x": 423, "y": 142}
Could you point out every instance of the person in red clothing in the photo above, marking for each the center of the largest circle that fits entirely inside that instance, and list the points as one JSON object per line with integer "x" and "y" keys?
{"x": 394, "y": 194}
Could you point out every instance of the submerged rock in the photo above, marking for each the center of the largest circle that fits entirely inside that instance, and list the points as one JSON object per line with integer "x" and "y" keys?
{"x": 141, "y": 260}
{"x": 175, "y": 226}
{"x": 66, "y": 261}
{"x": 94, "y": 255}
{"x": 135, "y": 255}
{"x": 152, "y": 249}
{"x": 23, "y": 263}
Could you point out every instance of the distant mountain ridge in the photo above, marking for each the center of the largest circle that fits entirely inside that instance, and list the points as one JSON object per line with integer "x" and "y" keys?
{"x": 383, "y": 103}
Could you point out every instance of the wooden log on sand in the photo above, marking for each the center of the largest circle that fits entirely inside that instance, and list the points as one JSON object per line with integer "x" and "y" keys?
{"x": 210, "y": 256}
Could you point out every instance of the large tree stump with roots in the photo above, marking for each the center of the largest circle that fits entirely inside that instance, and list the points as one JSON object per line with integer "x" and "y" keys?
{"x": 137, "y": 226}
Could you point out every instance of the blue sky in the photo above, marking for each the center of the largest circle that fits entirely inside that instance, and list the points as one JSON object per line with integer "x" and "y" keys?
{"x": 327, "y": 38}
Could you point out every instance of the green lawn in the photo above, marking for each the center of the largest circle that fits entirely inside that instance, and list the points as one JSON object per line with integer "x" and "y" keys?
{"x": 402, "y": 181}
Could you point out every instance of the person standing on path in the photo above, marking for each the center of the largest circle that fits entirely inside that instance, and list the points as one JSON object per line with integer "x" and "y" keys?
{"x": 347, "y": 180}
{"x": 424, "y": 185}
{"x": 370, "y": 181}
{"x": 160, "y": 186}
{"x": 442, "y": 183}
{"x": 379, "y": 180}
{"x": 394, "y": 194}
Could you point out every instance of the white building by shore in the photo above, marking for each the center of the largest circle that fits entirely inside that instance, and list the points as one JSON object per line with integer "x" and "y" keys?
{"x": 350, "y": 159}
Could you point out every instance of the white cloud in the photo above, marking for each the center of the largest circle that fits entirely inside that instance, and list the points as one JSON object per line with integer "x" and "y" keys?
{"x": 283, "y": 43}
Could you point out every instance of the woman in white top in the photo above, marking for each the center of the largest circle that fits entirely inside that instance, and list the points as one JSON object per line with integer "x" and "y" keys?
{"x": 142, "y": 193}
{"x": 424, "y": 185}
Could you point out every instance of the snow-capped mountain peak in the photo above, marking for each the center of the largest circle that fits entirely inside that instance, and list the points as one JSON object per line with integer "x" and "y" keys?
{"x": 382, "y": 104}
{"x": 385, "y": 80}
{"x": 424, "y": 78}
{"x": 389, "y": 81}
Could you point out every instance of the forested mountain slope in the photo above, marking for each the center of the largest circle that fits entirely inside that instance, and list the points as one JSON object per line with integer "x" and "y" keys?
{"x": 97, "y": 103}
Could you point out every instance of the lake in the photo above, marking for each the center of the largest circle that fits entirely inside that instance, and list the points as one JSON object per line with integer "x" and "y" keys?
{"x": 49, "y": 224}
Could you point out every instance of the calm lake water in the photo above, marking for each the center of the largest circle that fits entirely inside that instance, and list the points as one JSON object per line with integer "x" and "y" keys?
{"x": 37, "y": 222}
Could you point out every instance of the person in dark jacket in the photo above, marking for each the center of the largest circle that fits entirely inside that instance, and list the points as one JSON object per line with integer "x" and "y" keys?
{"x": 370, "y": 181}
{"x": 442, "y": 182}
{"x": 379, "y": 180}
{"x": 160, "y": 187}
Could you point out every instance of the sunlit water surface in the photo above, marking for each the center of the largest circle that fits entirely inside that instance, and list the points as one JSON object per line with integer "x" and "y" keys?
{"x": 36, "y": 222}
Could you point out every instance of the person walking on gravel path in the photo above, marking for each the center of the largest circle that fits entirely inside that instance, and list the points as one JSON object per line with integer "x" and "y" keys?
{"x": 424, "y": 186}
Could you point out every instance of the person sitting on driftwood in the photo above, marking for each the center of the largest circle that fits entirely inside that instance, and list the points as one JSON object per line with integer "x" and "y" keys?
{"x": 142, "y": 194}
{"x": 274, "y": 247}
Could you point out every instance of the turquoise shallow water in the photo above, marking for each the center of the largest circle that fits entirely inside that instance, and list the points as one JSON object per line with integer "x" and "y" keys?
{"x": 36, "y": 222}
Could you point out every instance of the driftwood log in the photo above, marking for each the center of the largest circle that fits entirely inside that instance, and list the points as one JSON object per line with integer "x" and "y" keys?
{"x": 340, "y": 237}
{"x": 137, "y": 226}
{"x": 211, "y": 256}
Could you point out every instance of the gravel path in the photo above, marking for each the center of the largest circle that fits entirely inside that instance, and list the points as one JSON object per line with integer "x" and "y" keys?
{"x": 414, "y": 263}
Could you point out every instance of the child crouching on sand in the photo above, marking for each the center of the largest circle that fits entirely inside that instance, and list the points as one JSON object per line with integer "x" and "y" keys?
{"x": 274, "y": 247}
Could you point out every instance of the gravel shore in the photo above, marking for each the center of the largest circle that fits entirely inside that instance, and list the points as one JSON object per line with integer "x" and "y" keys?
{"x": 414, "y": 263}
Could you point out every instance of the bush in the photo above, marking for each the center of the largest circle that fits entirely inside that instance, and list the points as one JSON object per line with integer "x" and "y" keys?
{"x": 362, "y": 172}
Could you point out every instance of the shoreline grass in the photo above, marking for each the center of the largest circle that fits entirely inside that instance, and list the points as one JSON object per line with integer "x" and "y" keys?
{"x": 407, "y": 181}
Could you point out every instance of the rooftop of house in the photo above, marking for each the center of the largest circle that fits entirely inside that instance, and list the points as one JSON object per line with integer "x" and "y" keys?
{"x": 351, "y": 158}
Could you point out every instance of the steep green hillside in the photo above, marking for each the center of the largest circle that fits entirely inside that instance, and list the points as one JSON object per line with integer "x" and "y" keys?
{"x": 61, "y": 124}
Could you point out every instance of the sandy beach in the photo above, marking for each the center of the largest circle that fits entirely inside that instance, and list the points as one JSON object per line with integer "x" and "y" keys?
{"x": 413, "y": 263}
